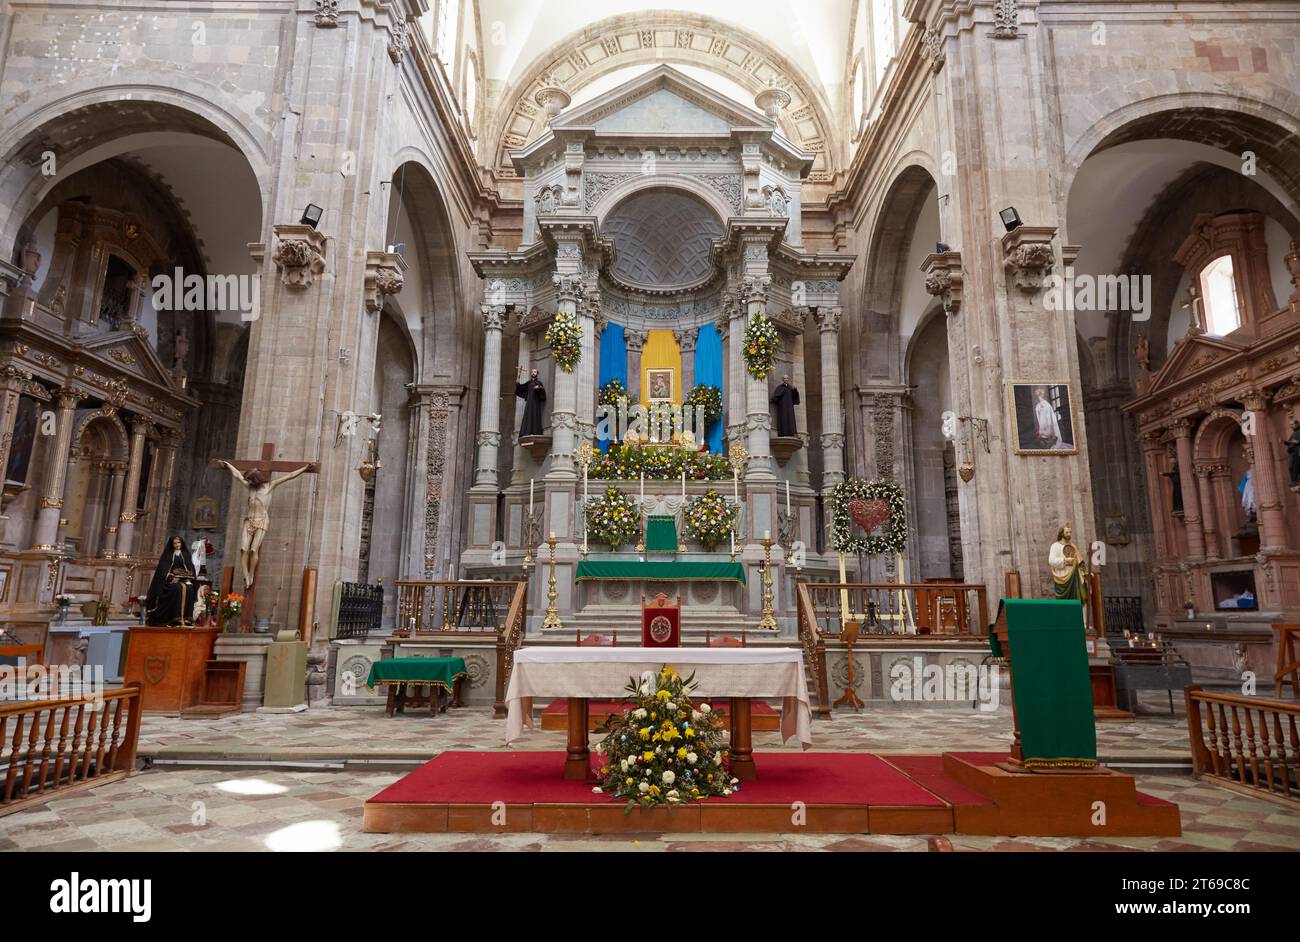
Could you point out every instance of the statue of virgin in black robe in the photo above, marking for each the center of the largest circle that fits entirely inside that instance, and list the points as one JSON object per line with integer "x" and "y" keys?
{"x": 533, "y": 393}
{"x": 1293, "y": 446}
{"x": 168, "y": 596}
{"x": 785, "y": 399}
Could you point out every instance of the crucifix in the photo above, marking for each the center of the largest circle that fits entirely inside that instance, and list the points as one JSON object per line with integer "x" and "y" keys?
{"x": 256, "y": 476}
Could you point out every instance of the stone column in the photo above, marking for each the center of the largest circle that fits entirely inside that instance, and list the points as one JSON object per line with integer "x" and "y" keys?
{"x": 1209, "y": 530}
{"x": 128, "y": 516}
{"x": 45, "y": 536}
{"x": 1263, "y": 467}
{"x": 1223, "y": 495}
{"x": 564, "y": 405}
{"x": 635, "y": 344}
{"x": 525, "y": 362}
{"x": 11, "y": 390}
{"x": 828, "y": 325}
{"x": 113, "y": 509}
{"x": 162, "y": 502}
{"x": 686, "y": 342}
{"x": 758, "y": 407}
{"x": 591, "y": 322}
{"x": 1151, "y": 451}
{"x": 489, "y": 434}
{"x": 1191, "y": 496}
{"x": 731, "y": 325}
{"x": 799, "y": 376}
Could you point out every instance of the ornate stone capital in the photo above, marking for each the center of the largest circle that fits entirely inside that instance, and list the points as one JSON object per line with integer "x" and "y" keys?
{"x": 758, "y": 421}
{"x": 299, "y": 254}
{"x": 69, "y": 396}
{"x": 568, "y": 287}
{"x": 327, "y": 13}
{"x": 1028, "y": 256}
{"x": 753, "y": 290}
{"x": 384, "y": 278}
{"x": 932, "y": 49}
{"x": 943, "y": 279}
{"x": 400, "y": 42}
{"x": 832, "y": 440}
{"x": 686, "y": 338}
{"x": 1254, "y": 400}
{"x": 1181, "y": 428}
{"x": 488, "y": 438}
{"x": 636, "y": 340}
{"x": 553, "y": 100}
{"x": 51, "y": 502}
{"x": 828, "y": 319}
{"x": 494, "y": 316}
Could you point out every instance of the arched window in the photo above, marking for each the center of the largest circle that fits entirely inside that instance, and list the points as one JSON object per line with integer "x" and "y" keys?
{"x": 1219, "y": 295}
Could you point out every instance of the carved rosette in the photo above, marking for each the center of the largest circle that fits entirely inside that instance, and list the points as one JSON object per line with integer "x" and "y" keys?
{"x": 299, "y": 254}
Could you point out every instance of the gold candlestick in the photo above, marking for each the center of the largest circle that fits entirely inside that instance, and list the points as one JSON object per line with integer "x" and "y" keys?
{"x": 768, "y": 621}
{"x": 552, "y": 619}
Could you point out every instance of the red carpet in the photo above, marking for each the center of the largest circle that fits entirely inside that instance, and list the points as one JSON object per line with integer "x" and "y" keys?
{"x": 927, "y": 771}
{"x": 815, "y": 778}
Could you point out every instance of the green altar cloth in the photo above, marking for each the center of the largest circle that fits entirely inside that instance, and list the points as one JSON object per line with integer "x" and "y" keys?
{"x": 422, "y": 671}
{"x": 1050, "y": 682}
{"x": 660, "y": 534}
{"x": 661, "y": 571}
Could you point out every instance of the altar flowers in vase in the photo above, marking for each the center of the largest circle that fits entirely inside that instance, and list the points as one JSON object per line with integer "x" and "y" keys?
{"x": 708, "y": 519}
{"x": 613, "y": 519}
{"x": 665, "y": 749}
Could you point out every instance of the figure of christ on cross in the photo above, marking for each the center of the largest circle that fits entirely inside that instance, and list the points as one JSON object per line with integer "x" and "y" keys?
{"x": 256, "y": 476}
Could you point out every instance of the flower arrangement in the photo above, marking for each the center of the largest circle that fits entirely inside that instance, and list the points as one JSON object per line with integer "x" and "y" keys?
{"x": 709, "y": 519}
{"x": 664, "y": 750}
{"x": 62, "y": 601}
{"x": 564, "y": 337}
{"x": 613, "y": 519}
{"x": 627, "y": 462}
{"x": 231, "y": 606}
{"x": 761, "y": 345}
{"x": 856, "y": 500}
{"x": 709, "y": 398}
{"x": 614, "y": 393}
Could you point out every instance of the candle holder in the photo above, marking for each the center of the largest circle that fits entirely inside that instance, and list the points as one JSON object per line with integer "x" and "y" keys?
{"x": 552, "y": 619}
{"x": 768, "y": 621}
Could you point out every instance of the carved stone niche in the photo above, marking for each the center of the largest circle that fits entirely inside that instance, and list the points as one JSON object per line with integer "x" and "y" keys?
{"x": 1028, "y": 256}
{"x": 943, "y": 279}
{"x": 299, "y": 254}
{"x": 385, "y": 273}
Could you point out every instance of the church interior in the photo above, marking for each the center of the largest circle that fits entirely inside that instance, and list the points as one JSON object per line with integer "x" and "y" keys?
{"x": 904, "y": 394}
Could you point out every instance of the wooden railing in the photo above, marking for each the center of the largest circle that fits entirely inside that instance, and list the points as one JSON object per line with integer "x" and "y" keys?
{"x": 50, "y": 747}
{"x": 1250, "y": 744}
{"x": 429, "y": 609}
{"x": 886, "y": 609}
{"x": 814, "y": 649}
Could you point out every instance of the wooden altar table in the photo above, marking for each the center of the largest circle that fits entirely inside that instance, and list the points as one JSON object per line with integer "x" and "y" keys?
{"x": 738, "y": 674}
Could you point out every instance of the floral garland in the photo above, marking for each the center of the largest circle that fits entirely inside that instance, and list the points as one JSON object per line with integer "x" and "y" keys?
{"x": 709, "y": 519}
{"x": 564, "y": 337}
{"x": 613, "y": 393}
{"x": 761, "y": 345}
{"x": 665, "y": 750}
{"x": 612, "y": 519}
{"x": 659, "y": 463}
{"x": 708, "y": 397}
{"x": 892, "y": 535}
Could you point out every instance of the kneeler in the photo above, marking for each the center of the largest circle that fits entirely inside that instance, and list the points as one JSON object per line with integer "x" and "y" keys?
{"x": 660, "y": 534}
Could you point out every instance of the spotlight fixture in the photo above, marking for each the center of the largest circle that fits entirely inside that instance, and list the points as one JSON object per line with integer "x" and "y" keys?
{"x": 398, "y": 249}
{"x": 940, "y": 248}
{"x": 311, "y": 215}
{"x": 1011, "y": 219}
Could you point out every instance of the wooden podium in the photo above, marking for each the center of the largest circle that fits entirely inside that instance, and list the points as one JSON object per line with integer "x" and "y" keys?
{"x": 169, "y": 664}
{"x": 661, "y": 623}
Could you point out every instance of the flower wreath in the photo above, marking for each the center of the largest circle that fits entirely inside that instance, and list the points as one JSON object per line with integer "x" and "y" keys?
{"x": 762, "y": 341}
{"x": 564, "y": 337}
{"x": 708, "y": 519}
{"x": 613, "y": 519}
{"x": 890, "y": 535}
{"x": 710, "y": 398}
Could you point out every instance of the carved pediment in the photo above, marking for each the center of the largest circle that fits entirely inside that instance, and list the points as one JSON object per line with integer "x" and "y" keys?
{"x": 130, "y": 352}
{"x": 662, "y": 100}
{"x": 1192, "y": 356}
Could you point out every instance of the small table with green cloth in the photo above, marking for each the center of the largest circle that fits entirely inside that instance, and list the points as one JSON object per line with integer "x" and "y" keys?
{"x": 437, "y": 673}
{"x": 1051, "y": 690}
{"x": 660, "y": 534}
{"x": 665, "y": 571}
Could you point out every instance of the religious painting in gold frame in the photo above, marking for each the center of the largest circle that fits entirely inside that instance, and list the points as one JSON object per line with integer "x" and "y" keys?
{"x": 659, "y": 384}
{"x": 203, "y": 514}
{"x": 1042, "y": 418}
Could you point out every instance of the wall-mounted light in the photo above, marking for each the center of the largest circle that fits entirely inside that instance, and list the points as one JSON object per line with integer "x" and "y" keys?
{"x": 1011, "y": 219}
{"x": 398, "y": 249}
{"x": 311, "y": 216}
{"x": 940, "y": 248}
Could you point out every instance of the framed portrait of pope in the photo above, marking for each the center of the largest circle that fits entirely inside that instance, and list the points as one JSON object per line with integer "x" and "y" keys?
{"x": 1043, "y": 420}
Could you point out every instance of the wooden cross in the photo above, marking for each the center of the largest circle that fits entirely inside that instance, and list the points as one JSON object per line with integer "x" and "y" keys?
{"x": 265, "y": 465}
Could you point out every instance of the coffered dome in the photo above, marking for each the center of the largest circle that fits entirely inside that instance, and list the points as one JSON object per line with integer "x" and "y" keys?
{"x": 662, "y": 238}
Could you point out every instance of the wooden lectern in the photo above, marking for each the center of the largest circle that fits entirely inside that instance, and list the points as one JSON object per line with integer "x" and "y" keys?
{"x": 661, "y": 623}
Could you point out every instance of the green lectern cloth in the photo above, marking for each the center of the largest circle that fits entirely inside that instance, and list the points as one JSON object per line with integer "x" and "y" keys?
{"x": 1050, "y": 682}
{"x": 421, "y": 671}
{"x": 660, "y": 534}
{"x": 660, "y": 571}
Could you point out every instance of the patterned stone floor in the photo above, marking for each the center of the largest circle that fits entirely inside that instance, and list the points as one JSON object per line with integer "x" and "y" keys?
{"x": 263, "y": 805}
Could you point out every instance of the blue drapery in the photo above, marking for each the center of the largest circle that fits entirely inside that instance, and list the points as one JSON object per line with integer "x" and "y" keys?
{"x": 708, "y": 371}
{"x": 613, "y": 365}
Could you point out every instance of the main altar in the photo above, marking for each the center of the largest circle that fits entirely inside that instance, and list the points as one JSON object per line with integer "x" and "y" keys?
{"x": 671, "y": 350}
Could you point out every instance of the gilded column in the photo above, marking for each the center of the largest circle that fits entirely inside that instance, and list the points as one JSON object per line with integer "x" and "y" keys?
{"x": 45, "y": 536}
{"x": 1191, "y": 495}
{"x": 489, "y": 425}
{"x": 832, "y": 442}
{"x": 1263, "y": 468}
{"x": 128, "y": 516}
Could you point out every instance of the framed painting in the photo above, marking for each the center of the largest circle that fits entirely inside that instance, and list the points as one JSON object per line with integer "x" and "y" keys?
{"x": 659, "y": 385}
{"x": 1042, "y": 416}
{"x": 203, "y": 514}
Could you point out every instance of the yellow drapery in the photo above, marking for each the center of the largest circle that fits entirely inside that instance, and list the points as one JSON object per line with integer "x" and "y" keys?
{"x": 661, "y": 352}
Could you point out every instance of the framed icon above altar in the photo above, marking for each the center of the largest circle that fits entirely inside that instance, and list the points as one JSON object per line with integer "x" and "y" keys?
{"x": 659, "y": 384}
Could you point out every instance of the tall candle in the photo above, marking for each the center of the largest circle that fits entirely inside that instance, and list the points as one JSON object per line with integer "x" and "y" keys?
{"x": 643, "y": 485}
{"x": 531, "y": 482}
{"x": 683, "y": 484}
{"x": 787, "y": 501}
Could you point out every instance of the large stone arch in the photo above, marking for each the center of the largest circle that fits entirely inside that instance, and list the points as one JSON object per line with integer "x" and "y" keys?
{"x": 630, "y": 39}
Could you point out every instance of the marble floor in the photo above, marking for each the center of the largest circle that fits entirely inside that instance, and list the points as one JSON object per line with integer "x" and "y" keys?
{"x": 283, "y": 785}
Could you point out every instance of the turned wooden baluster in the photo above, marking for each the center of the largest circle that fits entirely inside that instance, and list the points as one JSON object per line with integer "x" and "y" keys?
{"x": 1238, "y": 751}
{"x": 1250, "y": 741}
{"x": 13, "y": 759}
{"x": 1213, "y": 729}
{"x": 103, "y": 736}
{"x": 1284, "y": 760}
{"x": 45, "y": 752}
{"x": 75, "y": 753}
{"x": 115, "y": 739}
{"x": 61, "y": 755}
{"x": 88, "y": 749}
{"x": 446, "y": 608}
{"x": 29, "y": 760}
{"x": 1295, "y": 747}
{"x": 1267, "y": 749}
